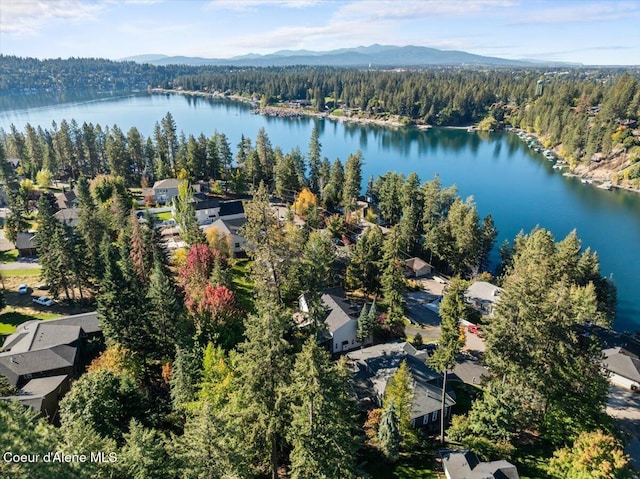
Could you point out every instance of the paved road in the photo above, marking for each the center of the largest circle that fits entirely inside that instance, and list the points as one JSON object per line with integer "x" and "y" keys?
{"x": 21, "y": 264}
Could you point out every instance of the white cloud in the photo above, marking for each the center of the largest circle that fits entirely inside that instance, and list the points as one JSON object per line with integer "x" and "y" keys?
{"x": 580, "y": 12}
{"x": 252, "y": 5}
{"x": 416, "y": 9}
{"x": 26, "y": 17}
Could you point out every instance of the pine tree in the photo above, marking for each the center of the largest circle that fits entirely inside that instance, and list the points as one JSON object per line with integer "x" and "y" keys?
{"x": 364, "y": 326}
{"x": 399, "y": 391}
{"x": 452, "y": 310}
{"x": 393, "y": 281}
{"x": 165, "y": 311}
{"x": 322, "y": 417}
{"x": 260, "y": 408}
{"x": 185, "y": 215}
{"x": 315, "y": 148}
{"x": 389, "y": 432}
{"x": 185, "y": 376}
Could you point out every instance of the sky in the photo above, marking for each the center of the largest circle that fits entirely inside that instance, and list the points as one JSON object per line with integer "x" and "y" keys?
{"x": 593, "y": 32}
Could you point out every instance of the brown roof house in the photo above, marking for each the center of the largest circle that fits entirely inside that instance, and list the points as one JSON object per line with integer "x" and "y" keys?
{"x": 417, "y": 268}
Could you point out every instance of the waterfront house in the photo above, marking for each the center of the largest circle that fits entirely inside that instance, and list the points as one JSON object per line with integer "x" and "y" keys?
{"x": 623, "y": 367}
{"x": 417, "y": 268}
{"x": 374, "y": 366}
{"x": 483, "y": 296}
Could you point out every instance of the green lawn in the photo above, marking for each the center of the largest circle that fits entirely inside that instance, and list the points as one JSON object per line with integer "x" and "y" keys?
{"x": 21, "y": 272}
{"x": 416, "y": 465}
{"x": 165, "y": 215}
{"x": 11, "y": 319}
{"x": 242, "y": 285}
{"x": 9, "y": 256}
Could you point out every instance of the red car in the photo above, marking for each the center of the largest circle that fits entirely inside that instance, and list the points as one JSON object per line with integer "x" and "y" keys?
{"x": 473, "y": 328}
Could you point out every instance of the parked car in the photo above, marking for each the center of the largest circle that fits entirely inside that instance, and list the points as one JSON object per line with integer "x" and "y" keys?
{"x": 23, "y": 289}
{"x": 43, "y": 301}
{"x": 474, "y": 328}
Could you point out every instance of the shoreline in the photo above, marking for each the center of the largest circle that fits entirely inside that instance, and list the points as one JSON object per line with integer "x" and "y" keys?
{"x": 284, "y": 111}
{"x": 290, "y": 112}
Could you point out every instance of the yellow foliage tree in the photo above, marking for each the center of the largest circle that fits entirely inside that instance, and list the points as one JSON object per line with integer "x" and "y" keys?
{"x": 305, "y": 200}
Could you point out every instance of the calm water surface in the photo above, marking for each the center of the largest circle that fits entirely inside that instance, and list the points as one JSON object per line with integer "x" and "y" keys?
{"x": 518, "y": 187}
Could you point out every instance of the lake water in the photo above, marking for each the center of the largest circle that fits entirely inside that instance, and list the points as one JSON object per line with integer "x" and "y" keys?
{"x": 517, "y": 186}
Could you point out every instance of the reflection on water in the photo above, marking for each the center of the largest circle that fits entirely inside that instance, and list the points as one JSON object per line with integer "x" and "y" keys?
{"x": 507, "y": 179}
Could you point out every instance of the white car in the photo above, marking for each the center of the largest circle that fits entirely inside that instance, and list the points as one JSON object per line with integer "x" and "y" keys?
{"x": 43, "y": 301}
{"x": 23, "y": 289}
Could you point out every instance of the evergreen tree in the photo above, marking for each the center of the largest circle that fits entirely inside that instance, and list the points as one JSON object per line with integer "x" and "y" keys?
{"x": 352, "y": 180}
{"x": 119, "y": 304}
{"x": 144, "y": 454}
{"x": 393, "y": 281}
{"x": 185, "y": 215}
{"x": 264, "y": 367}
{"x": 363, "y": 332}
{"x": 321, "y": 427}
{"x": 315, "y": 148}
{"x": 452, "y": 310}
{"x": 389, "y": 432}
{"x": 399, "y": 392}
{"x": 165, "y": 311}
{"x": 185, "y": 376}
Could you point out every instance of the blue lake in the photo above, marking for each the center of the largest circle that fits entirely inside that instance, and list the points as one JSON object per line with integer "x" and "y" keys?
{"x": 517, "y": 186}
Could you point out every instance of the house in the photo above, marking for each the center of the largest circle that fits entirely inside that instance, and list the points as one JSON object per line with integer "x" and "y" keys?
{"x": 26, "y": 244}
{"x": 466, "y": 465}
{"x": 375, "y": 366}
{"x": 417, "y": 268}
{"x": 483, "y": 296}
{"x": 341, "y": 321}
{"x": 70, "y": 217}
{"x": 207, "y": 210}
{"x": 43, "y": 394}
{"x": 66, "y": 200}
{"x": 41, "y": 357}
{"x": 231, "y": 229}
{"x": 164, "y": 191}
{"x": 623, "y": 366}
{"x": 232, "y": 210}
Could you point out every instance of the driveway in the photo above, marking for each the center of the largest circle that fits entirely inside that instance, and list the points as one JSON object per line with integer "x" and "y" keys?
{"x": 624, "y": 406}
{"x": 420, "y": 310}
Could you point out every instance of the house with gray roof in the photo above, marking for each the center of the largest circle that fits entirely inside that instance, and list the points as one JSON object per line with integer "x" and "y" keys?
{"x": 42, "y": 394}
{"x": 231, "y": 230}
{"x": 623, "y": 366}
{"x": 26, "y": 244}
{"x": 70, "y": 217}
{"x": 164, "y": 191}
{"x": 483, "y": 296}
{"x": 375, "y": 366}
{"x": 341, "y": 321}
{"x": 41, "y": 357}
{"x": 466, "y": 465}
{"x": 66, "y": 200}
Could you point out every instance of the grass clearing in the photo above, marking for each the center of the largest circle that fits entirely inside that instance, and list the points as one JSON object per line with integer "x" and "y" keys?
{"x": 415, "y": 465}
{"x": 10, "y": 256}
{"x": 242, "y": 284}
{"x": 165, "y": 215}
{"x": 12, "y": 318}
{"x": 21, "y": 272}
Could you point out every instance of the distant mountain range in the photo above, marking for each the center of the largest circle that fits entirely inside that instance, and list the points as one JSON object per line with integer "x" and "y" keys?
{"x": 373, "y": 55}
